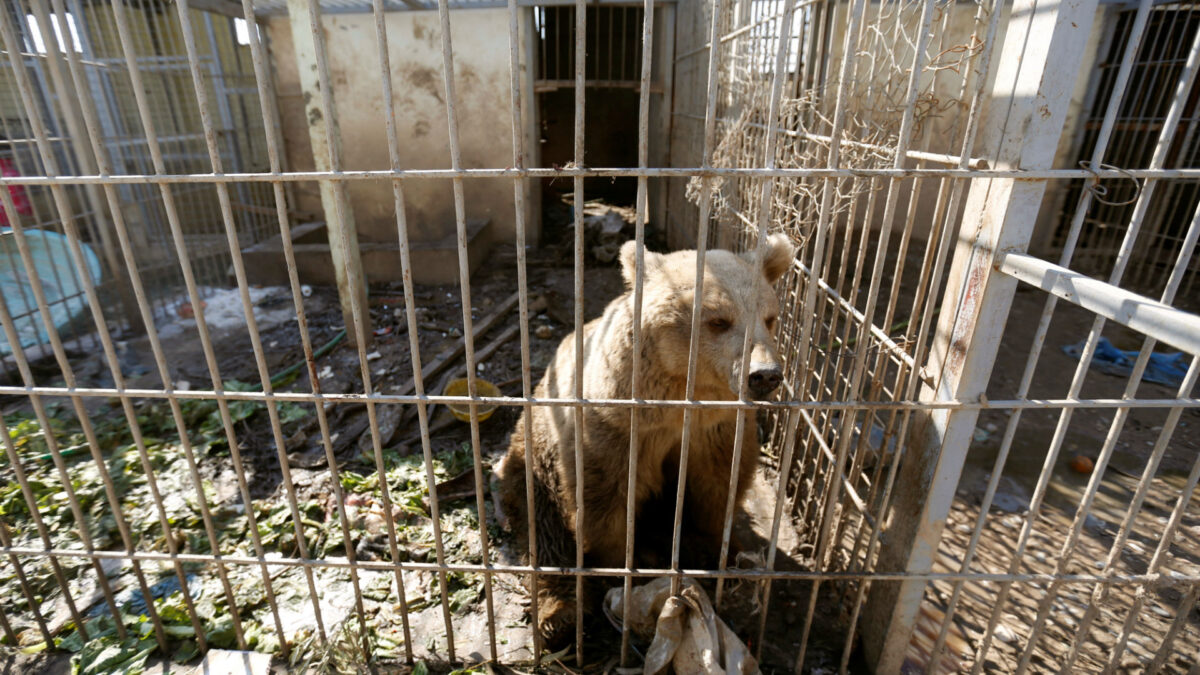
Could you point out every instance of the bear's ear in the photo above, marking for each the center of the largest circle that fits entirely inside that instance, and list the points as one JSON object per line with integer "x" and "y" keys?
{"x": 778, "y": 255}
{"x": 650, "y": 262}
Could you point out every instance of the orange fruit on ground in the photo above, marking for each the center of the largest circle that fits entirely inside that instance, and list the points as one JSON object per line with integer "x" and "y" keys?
{"x": 1082, "y": 464}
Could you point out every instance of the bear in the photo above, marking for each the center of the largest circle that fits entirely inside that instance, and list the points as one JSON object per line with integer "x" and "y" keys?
{"x": 669, "y": 284}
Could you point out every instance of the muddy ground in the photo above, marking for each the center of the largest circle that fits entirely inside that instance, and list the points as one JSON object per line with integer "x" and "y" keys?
{"x": 439, "y": 326}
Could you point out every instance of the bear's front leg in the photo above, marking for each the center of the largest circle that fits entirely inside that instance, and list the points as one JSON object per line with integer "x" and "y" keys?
{"x": 603, "y": 531}
{"x": 707, "y": 494}
{"x": 603, "y": 536}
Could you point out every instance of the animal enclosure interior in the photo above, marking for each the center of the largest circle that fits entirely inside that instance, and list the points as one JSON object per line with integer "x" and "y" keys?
{"x": 279, "y": 278}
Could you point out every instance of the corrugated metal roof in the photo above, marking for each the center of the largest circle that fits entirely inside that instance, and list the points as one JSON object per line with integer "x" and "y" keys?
{"x": 277, "y": 7}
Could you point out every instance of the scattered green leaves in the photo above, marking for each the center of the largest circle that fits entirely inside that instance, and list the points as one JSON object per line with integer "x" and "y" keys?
{"x": 124, "y": 464}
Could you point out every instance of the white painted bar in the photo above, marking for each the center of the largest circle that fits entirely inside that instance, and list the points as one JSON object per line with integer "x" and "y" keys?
{"x": 1160, "y": 321}
{"x": 1022, "y": 130}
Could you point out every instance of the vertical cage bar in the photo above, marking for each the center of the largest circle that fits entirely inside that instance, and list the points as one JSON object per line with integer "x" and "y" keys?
{"x": 580, "y": 73}
{"x": 764, "y": 219}
{"x": 519, "y": 141}
{"x": 638, "y": 287}
{"x": 464, "y": 280}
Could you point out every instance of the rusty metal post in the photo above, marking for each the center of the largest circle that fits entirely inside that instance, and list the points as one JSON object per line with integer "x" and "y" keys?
{"x": 327, "y": 153}
{"x": 1028, "y": 109}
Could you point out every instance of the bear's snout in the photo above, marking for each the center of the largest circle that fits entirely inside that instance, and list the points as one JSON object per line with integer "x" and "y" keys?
{"x": 764, "y": 379}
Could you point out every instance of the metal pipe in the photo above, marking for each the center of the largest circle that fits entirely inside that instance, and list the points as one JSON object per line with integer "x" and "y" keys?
{"x": 1156, "y": 319}
{"x": 346, "y": 176}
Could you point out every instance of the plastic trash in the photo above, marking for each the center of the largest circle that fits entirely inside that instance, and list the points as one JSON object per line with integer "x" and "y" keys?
{"x": 60, "y": 280}
{"x": 684, "y": 632}
{"x": 20, "y": 197}
{"x": 1164, "y": 368}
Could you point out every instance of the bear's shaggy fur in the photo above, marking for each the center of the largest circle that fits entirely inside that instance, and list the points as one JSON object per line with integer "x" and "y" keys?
{"x": 728, "y": 305}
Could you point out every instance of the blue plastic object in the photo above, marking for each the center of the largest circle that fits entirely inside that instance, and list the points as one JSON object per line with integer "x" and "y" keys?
{"x": 60, "y": 280}
{"x": 1164, "y": 368}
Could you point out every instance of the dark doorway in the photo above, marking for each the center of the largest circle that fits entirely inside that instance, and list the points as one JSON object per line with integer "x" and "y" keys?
{"x": 612, "y": 78}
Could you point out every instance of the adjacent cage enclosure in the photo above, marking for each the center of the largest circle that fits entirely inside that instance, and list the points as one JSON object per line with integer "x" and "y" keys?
{"x": 250, "y": 248}
{"x": 156, "y": 45}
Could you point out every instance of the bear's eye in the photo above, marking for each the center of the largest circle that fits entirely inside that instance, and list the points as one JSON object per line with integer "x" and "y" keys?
{"x": 719, "y": 324}
{"x": 771, "y": 323}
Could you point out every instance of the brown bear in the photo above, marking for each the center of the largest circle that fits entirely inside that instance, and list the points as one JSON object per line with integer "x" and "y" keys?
{"x": 728, "y": 306}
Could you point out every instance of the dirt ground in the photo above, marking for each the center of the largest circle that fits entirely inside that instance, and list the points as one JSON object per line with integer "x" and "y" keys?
{"x": 551, "y": 284}
{"x": 1085, "y": 438}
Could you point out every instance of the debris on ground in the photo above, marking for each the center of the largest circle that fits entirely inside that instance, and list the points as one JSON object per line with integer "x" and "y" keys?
{"x": 228, "y": 662}
{"x": 684, "y": 631}
{"x": 102, "y": 650}
{"x": 1163, "y": 368}
{"x": 605, "y": 228}
{"x": 196, "y": 603}
{"x": 1082, "y": 464}
{"x": 605, "y": 234}
{"x": 561, "y": 308}
{"x": 223, "y": 310}
{"x": 461, "y": 486}
{"x": 186, "y": 311}
{"x": 452, "y": 353}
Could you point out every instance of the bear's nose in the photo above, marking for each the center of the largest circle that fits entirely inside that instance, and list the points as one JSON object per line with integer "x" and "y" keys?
{"x": 764, "y": 380}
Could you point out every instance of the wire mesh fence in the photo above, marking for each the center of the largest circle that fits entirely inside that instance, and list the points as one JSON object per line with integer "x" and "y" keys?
{"x": 194, "y": 461}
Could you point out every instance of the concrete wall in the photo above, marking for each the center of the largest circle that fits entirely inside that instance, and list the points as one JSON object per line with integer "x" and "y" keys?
{"x": 481, "y": 60}
{"x": 1078, "y": 112}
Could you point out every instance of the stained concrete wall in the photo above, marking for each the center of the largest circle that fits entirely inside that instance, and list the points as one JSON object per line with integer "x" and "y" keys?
{"x": 483, "y": 93}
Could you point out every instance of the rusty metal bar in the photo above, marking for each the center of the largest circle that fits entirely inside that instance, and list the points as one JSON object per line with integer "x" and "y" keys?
{"x": 464, "y": 281}
{"x": 801, "y": 575}
{"x": 519, "y": 193}
{"x": 631, "y": 490}
{"x": 346, "y": 176}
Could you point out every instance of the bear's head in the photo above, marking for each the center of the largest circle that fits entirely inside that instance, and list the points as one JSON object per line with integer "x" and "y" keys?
{"x": 737, "y": 295}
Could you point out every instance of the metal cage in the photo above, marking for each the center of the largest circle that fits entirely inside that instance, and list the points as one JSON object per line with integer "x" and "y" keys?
{"x": 945, "y": 488}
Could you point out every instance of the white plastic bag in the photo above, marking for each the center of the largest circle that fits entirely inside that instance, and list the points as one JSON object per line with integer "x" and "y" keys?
{"x": 684, "y": 631}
